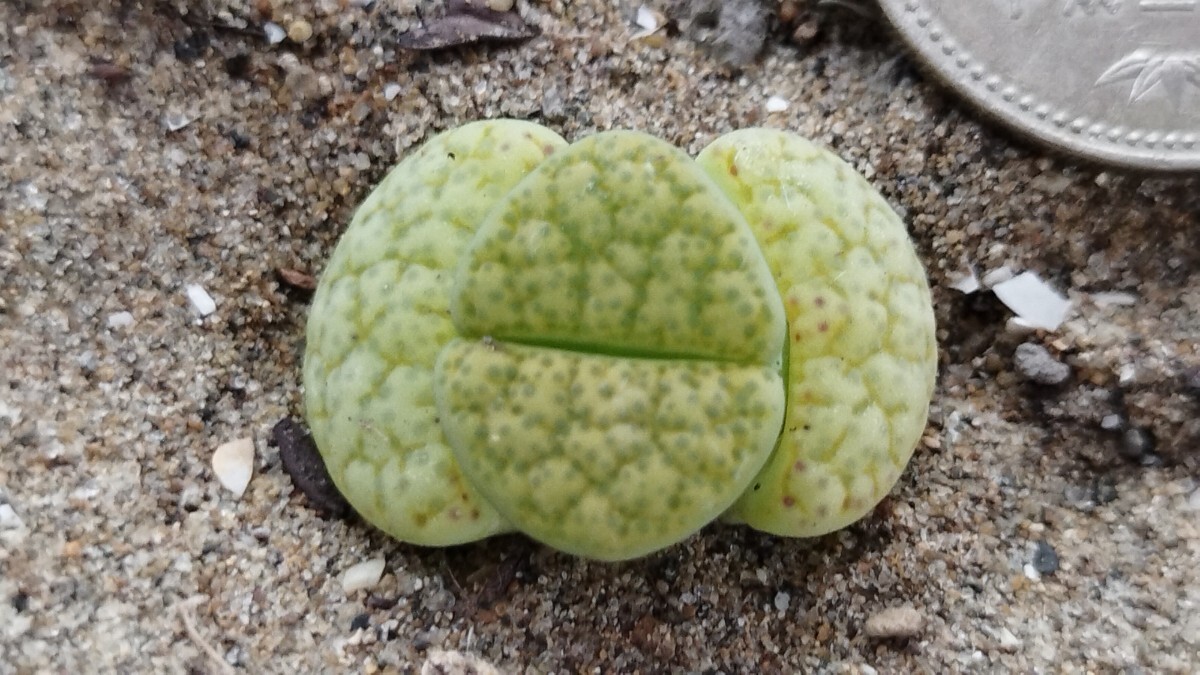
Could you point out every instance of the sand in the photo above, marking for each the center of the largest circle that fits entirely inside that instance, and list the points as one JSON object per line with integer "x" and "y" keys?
{"x": 1042, "y": 526}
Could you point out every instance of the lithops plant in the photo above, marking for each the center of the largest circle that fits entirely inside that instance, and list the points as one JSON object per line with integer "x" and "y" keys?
{"x": 606, "y": 345}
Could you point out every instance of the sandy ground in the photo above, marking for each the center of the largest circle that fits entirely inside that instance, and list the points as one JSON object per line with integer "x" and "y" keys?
{"x": 1039, "y": 528}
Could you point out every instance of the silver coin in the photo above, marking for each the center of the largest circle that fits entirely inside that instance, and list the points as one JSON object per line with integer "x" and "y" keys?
{"x": 1117, "y": 81}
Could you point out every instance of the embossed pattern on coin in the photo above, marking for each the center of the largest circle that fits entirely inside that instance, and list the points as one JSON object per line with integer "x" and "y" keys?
{"x": 1116, "y": 81}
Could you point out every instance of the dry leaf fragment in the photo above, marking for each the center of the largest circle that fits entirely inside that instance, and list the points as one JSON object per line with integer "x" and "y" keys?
{"x": 108, "y": 72}
{"x": 304, "y": 465}
{"x": 464, "y": 24}
{"x": 297, "y": 279}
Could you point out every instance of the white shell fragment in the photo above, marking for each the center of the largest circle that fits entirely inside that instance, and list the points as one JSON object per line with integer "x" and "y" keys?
{"x": 647, "y": 19}
{"x": 233, "y": 462}
{"x": 967, "y": 283}
{"x": 777, "y": 104}
{"x": 650, "y": 22}
{"x": 1033, "y": 301}
{"x": 201, "y": 301}
{"x": 997, "y": 276}
{"x": 363, "y": 575}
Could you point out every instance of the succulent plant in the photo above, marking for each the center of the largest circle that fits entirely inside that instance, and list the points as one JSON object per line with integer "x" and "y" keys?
{"x": 607, "y": 345}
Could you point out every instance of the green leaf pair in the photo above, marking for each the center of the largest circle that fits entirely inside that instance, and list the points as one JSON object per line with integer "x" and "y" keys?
{"x": 606, "y": 345}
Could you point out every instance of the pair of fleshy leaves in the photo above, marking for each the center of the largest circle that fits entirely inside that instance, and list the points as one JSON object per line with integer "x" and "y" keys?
{"x": 612, "y": 377}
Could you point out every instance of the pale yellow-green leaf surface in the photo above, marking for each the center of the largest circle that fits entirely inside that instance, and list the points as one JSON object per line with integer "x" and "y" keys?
{"x": 606, "y": 457}
{"x": 606, "y": 345}
{"x": 621, "y": 244}
{"x": 862, "y": 356}
{"x": 381, "y": 315}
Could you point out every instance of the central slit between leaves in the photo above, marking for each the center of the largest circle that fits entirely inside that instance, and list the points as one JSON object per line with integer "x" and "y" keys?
{"x": 601, "y": 349}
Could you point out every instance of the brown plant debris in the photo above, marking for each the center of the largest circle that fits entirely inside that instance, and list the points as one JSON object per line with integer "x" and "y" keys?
{"x": 465, "y": 24}
{"x": 304, "y": 465}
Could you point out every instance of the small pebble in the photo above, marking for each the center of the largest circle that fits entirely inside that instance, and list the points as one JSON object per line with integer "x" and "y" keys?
{"x": 456, "y": 663}
{"x": 782, "y": 601}
{"x": 1045, "y": 558}
{"x": 1036, "y": 364}
{"x": 1103, "y": 491}
{"x": 1114, "y": 299}
{"x": 202, "y": 302}
{"x": 500, "y": 5}
{"x": 299, "y": 31}
{"x": 390, "y": 91}
{"x": 9, "y": 520}
{"x": 363, "y": 575}
{"x": 966, "y": 282}
{"x": 233, "y": 462}
{"x": 19, "y": 602}
{"x": 1127, "y": 374}
{"x": 1135, "y": 443}
{"x": 1194, "y": 500}
{"x": 176, "y": 121}
{"x": 274, "y": 33}
{"x": 87, "y": 360}
{"x": 1110, "y": 422}
{"x": 553, "y": 106}
{"x": 360, "y": 621}
{"x": 120, "y": 320}
{"x": 36, "y": 199}
{"x": 1005, "y": 640}
{"x": 1031, "y": 572}
{"x": 895, "y": 622}
{"x": 1191, "y": 381}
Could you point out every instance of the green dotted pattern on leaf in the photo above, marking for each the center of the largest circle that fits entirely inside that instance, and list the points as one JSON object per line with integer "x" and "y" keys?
{"x": 601, "y": 456}
{"x": 621, "y": 244}
{"x": 862, "y": 355}
{"x": 630, "y": 332}
{"x": 381, "y": 315}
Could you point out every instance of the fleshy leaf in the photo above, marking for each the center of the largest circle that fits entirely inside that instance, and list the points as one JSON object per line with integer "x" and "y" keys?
{"x": 600, "y": 456}
{"x": 862, "y": 356}
{"x": 621, "y": 245}
{"x": 381, "y": 314}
